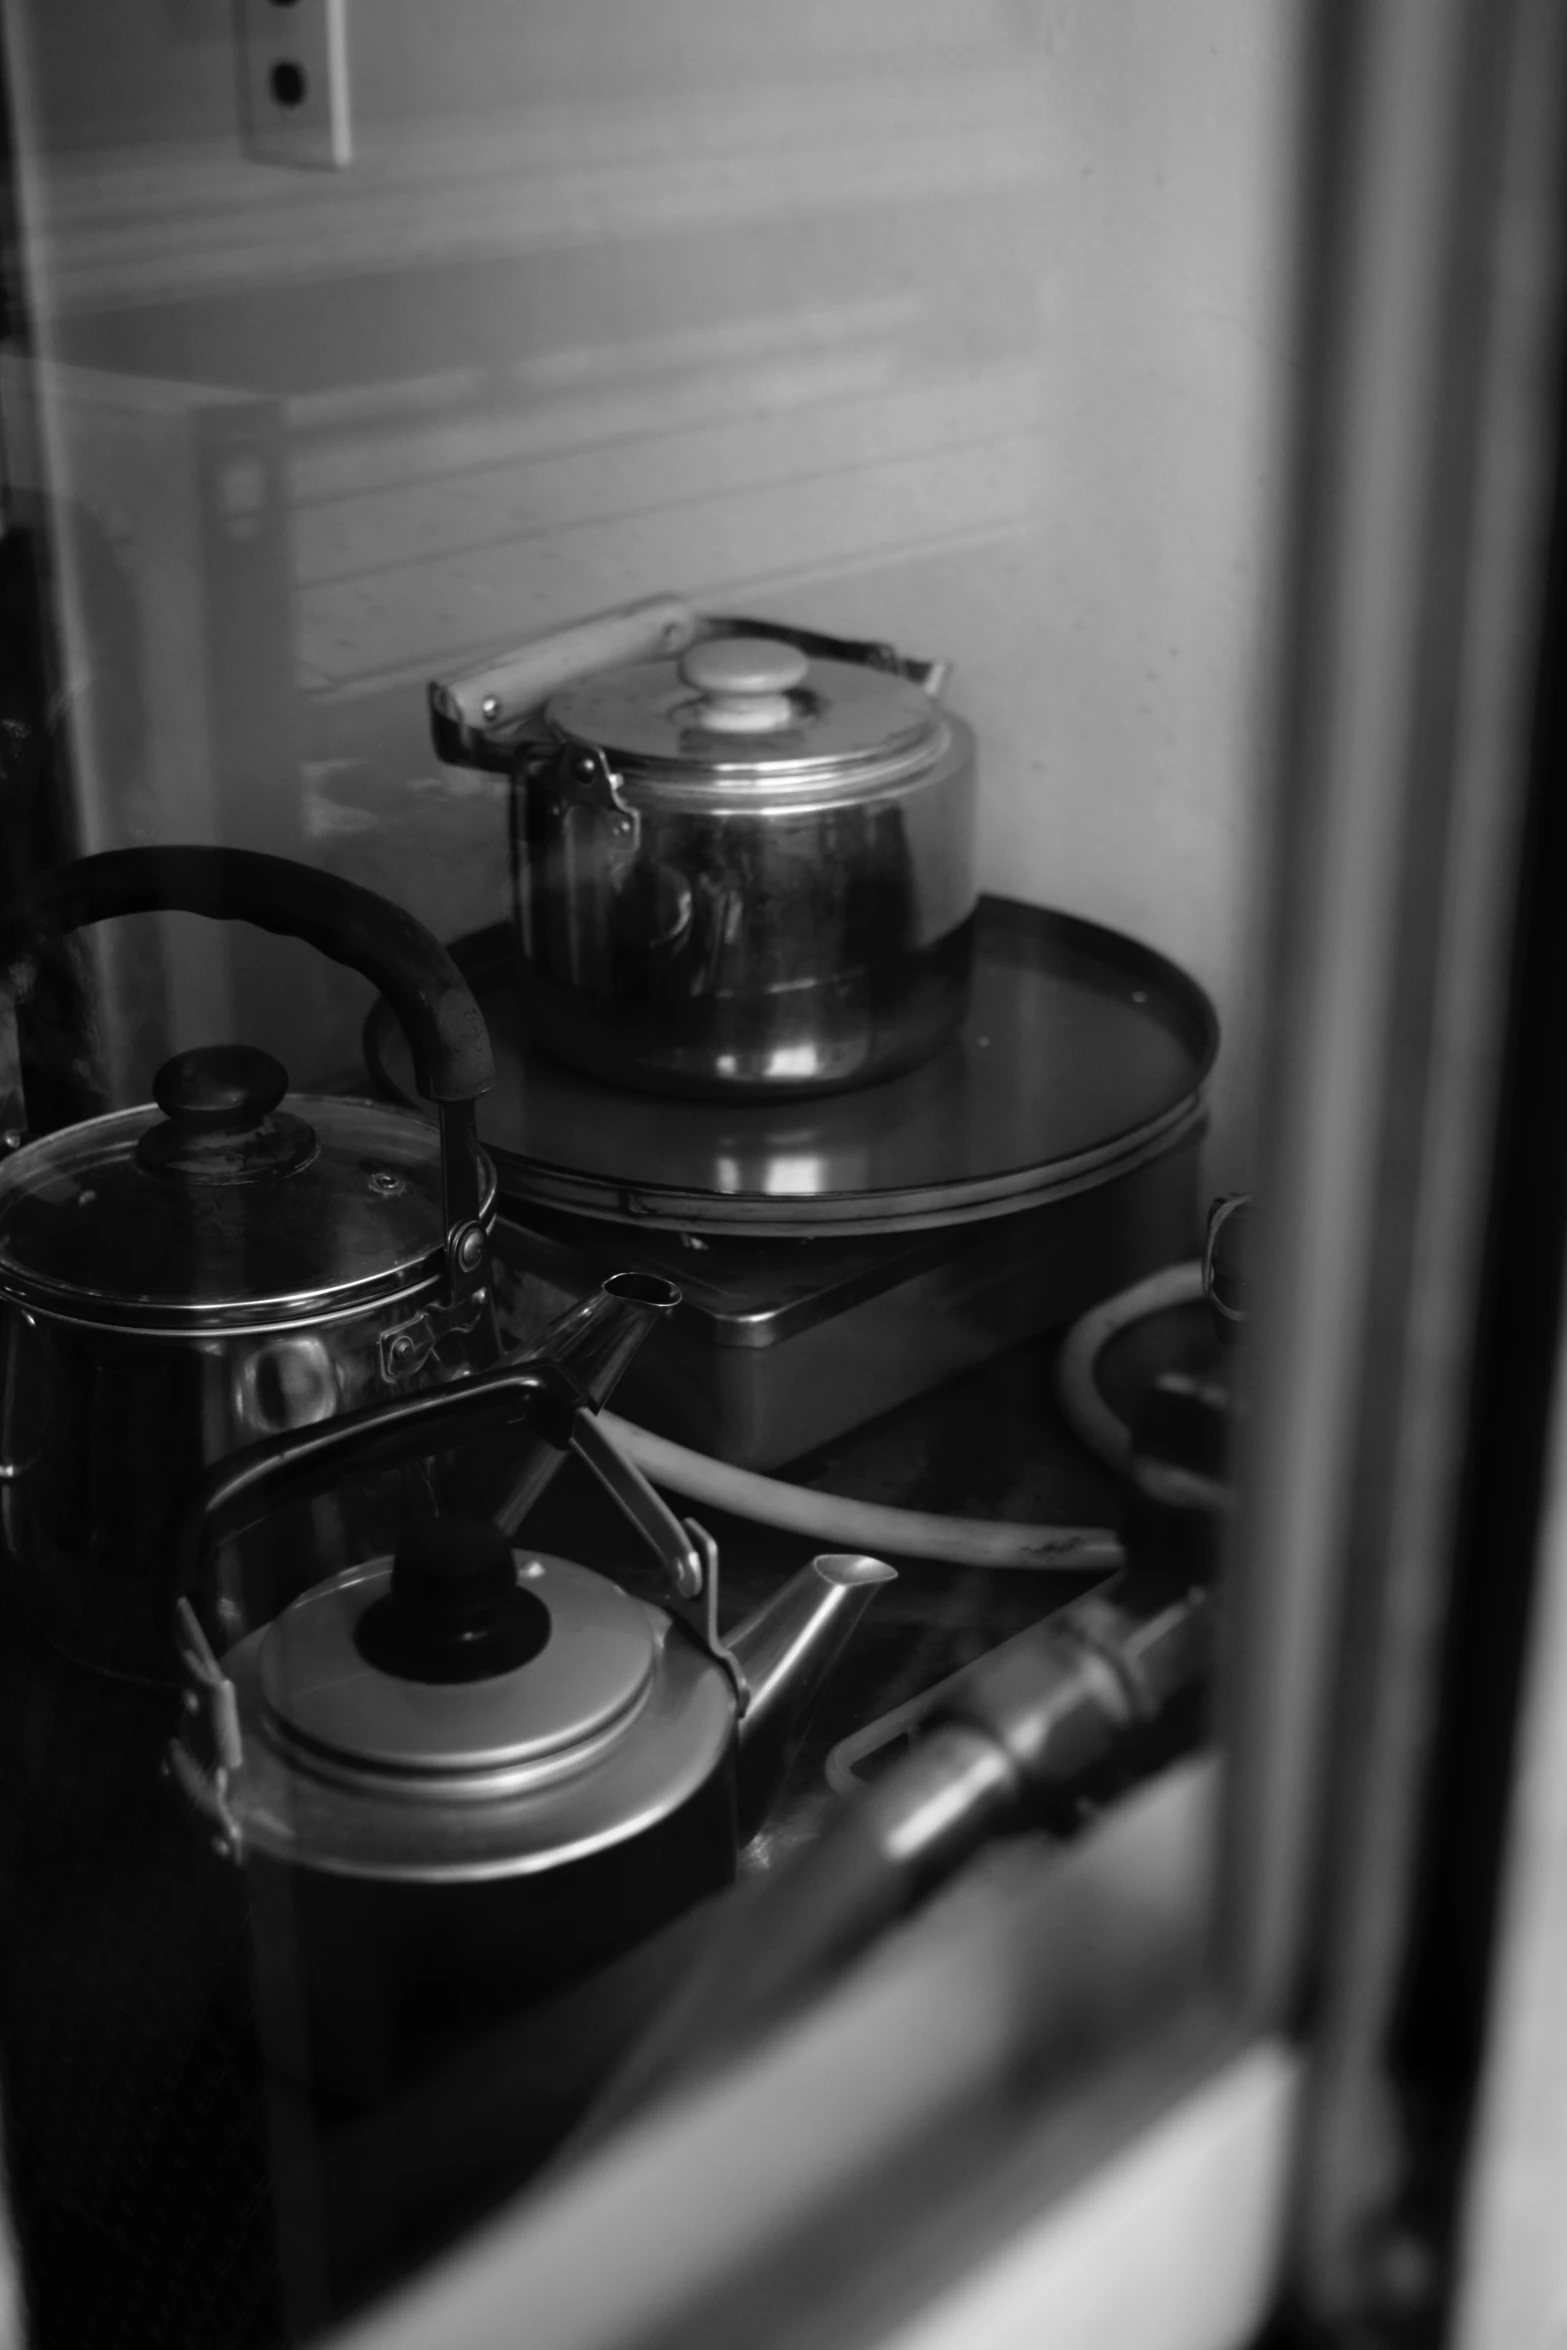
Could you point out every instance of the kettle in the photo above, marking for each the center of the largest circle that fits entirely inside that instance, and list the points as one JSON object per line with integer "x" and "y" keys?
{"x": 229, "y": 1259}
{"x": 460, "y": 1777}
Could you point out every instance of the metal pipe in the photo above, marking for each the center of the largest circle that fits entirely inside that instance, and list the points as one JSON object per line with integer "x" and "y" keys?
{"x": 1038, "y": 1732}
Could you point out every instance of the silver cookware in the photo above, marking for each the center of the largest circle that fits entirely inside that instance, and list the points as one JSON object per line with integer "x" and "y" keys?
{"x": 744, "y": 870}
{"x": 230, "y": 1260}
{"x": 461, "y": 1776}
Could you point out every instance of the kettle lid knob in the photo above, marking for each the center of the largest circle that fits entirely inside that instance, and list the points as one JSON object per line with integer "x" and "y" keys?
{"x": 454, "y": 1610}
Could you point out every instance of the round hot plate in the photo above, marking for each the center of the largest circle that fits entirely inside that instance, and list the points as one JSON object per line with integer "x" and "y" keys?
{"x": 1082, "y": 1055}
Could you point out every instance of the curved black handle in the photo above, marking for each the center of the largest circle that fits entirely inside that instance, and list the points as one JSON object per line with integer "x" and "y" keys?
{"x": 350, "y": 925}
{"x": 248, "y": 1485}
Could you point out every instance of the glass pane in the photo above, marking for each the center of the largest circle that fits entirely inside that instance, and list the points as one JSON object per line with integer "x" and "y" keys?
{"x": 897, "y": 1009}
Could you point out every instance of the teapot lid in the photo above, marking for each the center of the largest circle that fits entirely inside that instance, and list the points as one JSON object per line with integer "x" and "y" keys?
{"x": 605, "y": 1720}
{"x": 227, "y": 1203}
{"x": 456, "y": 1658}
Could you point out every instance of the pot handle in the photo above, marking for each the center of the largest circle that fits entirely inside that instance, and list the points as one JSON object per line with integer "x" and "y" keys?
{"x": 480, "y": 718}
{"x": 350, "y": 925}
{"x": 476, "y": 717}
{"x": 865, "y": 652}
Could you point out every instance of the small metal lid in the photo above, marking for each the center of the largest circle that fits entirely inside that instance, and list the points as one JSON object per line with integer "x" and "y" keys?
{"x": 756, "y": 712}
{"x": 325, "y": 1695}
{"x": 141, "y": 1221}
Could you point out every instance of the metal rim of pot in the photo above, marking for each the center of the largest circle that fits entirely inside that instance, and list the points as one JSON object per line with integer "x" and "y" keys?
{"x": 643, "y": 736}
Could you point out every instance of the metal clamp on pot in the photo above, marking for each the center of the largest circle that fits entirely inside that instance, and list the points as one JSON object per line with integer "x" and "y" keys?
{"x": 230, "y": 1259}
{"x": 463, "y": 1774}
{"x": 744, "y": 870}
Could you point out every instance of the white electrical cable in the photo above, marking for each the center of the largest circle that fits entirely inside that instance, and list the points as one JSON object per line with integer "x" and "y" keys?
{"x": 859, "y": 1525}
{"x": 958, "y": 1542}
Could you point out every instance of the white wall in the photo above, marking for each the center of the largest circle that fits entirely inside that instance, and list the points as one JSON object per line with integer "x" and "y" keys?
{"x": 952, "y": 321}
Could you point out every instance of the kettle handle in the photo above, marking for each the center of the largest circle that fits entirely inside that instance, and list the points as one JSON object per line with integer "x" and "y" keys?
{"x": 350, "y": 925}
{"x": 247, "y": 1486}
{"x": 445, "y": 1028}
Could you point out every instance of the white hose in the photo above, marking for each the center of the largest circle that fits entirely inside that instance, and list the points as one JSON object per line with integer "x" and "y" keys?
{"x": 1077, "y": 1387}
{"x": 859, "y": 1525}
{"x": 958, "y": 1542}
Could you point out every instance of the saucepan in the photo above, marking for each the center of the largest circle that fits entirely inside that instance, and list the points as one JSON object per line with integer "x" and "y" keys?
{"x": 744, "y": 867}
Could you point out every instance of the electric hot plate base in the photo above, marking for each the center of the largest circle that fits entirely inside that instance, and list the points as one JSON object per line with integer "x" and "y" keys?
{"x": 838, "y": 1257}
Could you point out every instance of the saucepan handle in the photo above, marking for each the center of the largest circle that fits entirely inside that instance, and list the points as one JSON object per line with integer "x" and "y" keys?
{"x": 476, "y": 716}
{"x": 350, "y": 925}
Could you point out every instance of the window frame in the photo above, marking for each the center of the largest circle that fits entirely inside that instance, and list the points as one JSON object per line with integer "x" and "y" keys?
{"x": 1239, "y": 1929}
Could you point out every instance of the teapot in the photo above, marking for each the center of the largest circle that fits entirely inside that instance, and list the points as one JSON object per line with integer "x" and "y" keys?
{"x": 460, "y": 1777}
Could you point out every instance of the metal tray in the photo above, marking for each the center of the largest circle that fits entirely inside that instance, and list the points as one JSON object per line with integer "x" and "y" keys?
{"x": 781, "y": 1345}
{"x": 1083, "y": 1055}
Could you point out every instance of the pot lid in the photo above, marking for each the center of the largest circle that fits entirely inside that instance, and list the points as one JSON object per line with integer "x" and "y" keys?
{"x": 753, "y": 710}
{"x": 226, "y": 1203}
{"x": 459, "y": 1658}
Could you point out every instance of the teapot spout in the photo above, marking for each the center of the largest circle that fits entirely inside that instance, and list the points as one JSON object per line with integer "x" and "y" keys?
{"x": 594, "y": 1340}
{"x": 786, "y": 1650}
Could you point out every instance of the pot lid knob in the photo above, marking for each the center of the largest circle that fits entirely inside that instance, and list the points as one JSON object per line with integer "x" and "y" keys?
{"x": 221, "y": 1118}
{"x": 455, "y": 1610}
{"x": 220, "y": 1085}
{"x": 746, "y": 684}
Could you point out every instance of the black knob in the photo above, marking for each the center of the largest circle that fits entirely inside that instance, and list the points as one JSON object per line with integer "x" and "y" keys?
{"x": 219, "y": 1088}
{"x": 454, "y": 1577}
{"x": 455, "y": 1610}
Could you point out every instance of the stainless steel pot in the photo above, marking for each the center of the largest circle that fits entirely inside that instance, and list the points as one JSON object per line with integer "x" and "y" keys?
{"x": 179, "y": 1279}
{"x": 460, "y": 1777}
{"x": 744, "y": 871}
